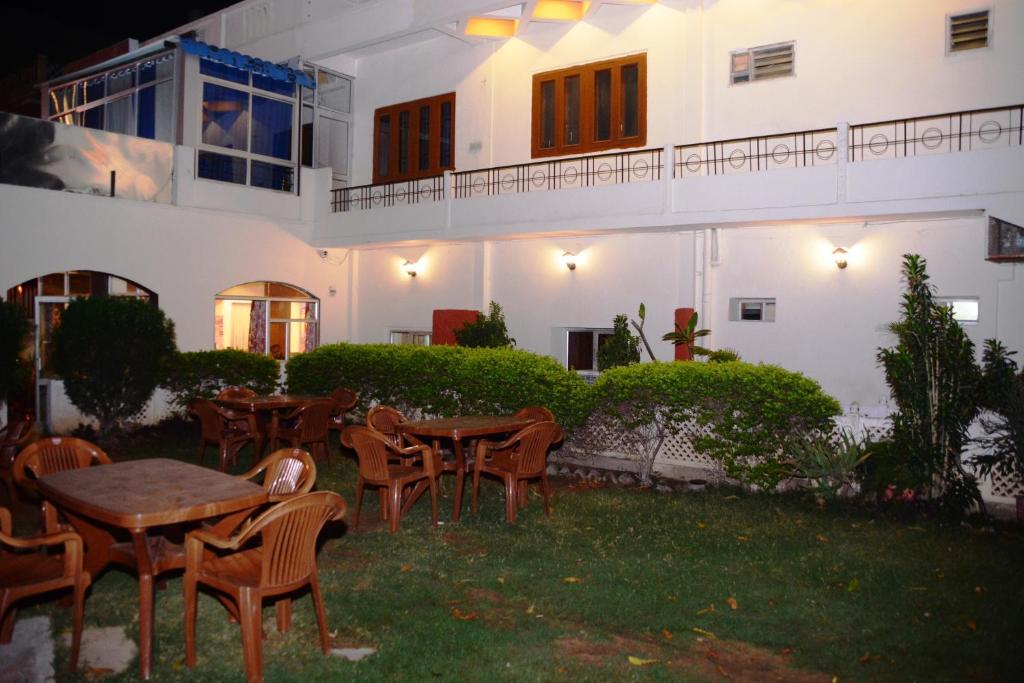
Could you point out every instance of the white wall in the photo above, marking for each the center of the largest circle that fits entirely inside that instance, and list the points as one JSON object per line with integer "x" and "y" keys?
{"x": 830, "y": 322}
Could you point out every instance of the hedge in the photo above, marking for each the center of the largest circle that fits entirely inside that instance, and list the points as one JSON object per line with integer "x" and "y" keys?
{"x": 754, "y": 413}
{"x": 442, "y": 380}
{"x": 202, "y": 374}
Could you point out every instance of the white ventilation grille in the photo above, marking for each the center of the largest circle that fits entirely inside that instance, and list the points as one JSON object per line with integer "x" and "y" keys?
{"x": 968, "y": 31}
{"x": 767, "y": 61}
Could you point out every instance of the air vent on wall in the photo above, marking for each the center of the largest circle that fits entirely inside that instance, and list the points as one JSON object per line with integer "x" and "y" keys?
{"x": 968, "y": 31}
{"x": 768, "y": 61}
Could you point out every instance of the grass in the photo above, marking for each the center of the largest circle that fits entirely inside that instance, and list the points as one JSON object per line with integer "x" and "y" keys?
{"x": 614, "y": 573}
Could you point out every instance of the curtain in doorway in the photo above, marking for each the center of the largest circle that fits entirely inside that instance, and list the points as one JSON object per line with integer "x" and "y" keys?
{"x": 258, "y": 327}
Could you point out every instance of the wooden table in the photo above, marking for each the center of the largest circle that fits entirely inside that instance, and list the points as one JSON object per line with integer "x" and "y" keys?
{"x": 258, "y": 404}
{"x": 137, "y": 496}
{"x": 457, "y": 429}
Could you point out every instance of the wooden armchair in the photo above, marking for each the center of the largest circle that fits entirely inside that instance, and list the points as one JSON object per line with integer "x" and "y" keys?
{"x": 24, "y": 575}
{"x": 515, "y": 461}
{"x": 287, "y": 473}
{"x": 235, "y": 392}
{"x": 14, "y": 436}
{"x": 541, "y": 414}
{"x": 227, "y": 430}
{"x": 283, "y": 562}
{"x": 49, "y": 455}
{"x": 383, "y": 420}
{"x": 392, "y": 469}
{"x": 344, "y": 401}
{"x": 306, "y": 425}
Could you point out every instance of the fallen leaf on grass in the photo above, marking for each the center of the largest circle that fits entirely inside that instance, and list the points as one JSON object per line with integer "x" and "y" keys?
{"x": 501, "y": 579}
{"x": 980, "y": 590}
{"x": 822, "y": 538}
{"x": 853, "y": 585}
{"x": 572, "y": 579}
{"x": 972, "y": 624}
{"x": 463, "y": 616}
{"x": 918, "y": 588}
{"x": 406, "y": 568}
{"x": 743, "y": 538}
{"x": 709, "y": 608}
{"x": 786, "y": 651}
{"x": 702, "y": 525}
{"x": 865, "y": 658}
{"x": 702, "y": 632}
{"x": 530, "y": 609}
{"x": 731, "y": 498}
{"x": 666, "y": 634}
{"x": 733, "y": 604}
{"x": 636, "y": 661}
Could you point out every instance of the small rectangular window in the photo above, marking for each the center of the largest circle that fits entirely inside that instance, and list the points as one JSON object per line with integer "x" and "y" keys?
{"x": 581, "y": 348}
{"x": 410, "y": 337}
{"x": 968, "y": 31}
{"x": 766, "y": 61}
{"x": 752, "y": 310}
{"x": 965, "y": 309}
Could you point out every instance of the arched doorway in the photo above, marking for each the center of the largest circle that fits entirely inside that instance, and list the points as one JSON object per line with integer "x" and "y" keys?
{"x": 42, "y": 299}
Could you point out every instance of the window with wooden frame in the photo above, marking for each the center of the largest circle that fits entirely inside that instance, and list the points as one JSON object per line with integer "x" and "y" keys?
{"x": 414, "y": 139}
{"x": 589, "y": 108}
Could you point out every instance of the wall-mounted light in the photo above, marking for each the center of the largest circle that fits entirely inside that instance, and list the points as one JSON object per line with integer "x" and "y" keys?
{"x": 569, "y": 260}
{"x": 410, "y": 268}
{"x": 839, "y": 256}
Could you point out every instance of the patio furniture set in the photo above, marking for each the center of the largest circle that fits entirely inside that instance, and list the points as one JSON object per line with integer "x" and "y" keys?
{"x": 247, "y": 537}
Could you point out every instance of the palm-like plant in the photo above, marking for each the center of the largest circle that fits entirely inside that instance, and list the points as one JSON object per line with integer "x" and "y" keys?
{"x": 688, "y": 336}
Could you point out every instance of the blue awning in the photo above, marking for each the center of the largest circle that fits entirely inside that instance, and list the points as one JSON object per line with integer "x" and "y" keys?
{"x": 253, "y": 64}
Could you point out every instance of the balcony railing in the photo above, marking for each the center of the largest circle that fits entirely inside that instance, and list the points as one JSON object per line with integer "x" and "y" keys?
{"x": 763, "y": 153}
{"x": 388, "y": 194}
{"x": 560, "y": 174}
{"x": 940, "y": 134}
{"x": 961, "y": 131}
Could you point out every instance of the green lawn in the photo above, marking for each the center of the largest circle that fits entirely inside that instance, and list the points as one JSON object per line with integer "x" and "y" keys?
{"x": 706, "y": 585}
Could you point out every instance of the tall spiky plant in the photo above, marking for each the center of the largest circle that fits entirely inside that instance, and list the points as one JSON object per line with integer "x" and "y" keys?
{"x": 935, "y": 383}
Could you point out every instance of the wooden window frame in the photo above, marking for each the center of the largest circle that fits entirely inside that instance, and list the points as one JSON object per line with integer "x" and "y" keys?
{"x": 586, "y": 74}
{"x": 412, "y": 108}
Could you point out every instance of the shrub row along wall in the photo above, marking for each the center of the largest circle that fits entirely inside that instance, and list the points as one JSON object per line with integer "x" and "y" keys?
{"x": 752, "y": 412}
{"x": 202, "y": 374}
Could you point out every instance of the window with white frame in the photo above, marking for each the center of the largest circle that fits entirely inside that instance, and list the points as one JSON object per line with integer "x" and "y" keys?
{"x": 135, "y": 98}
{"x": 759, "y": 63}
{"x": 582, "y": 345}
{"x": 965, "y": 308}
{"x": 410, "y": 337}
{"x": 751, "y": 310}
{"x": 249, "y": 127}
{"x": 968, "y": 31}
{"x": 272, "y": 318}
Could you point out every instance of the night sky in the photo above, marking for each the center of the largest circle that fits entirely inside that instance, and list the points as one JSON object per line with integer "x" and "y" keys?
{"x": 66, "y": 31}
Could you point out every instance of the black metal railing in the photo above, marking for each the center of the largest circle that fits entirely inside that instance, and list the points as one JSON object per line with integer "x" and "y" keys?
{"x": 960, "y": 131}
{"x": 635, "y": 166}
{"x": 388, "y": 194}
{"x": 761, "y": 153}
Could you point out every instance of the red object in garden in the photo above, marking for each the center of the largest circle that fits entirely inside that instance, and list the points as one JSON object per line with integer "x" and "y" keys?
{"x": 683, "y": 316}
{"x": 446, "y": 321}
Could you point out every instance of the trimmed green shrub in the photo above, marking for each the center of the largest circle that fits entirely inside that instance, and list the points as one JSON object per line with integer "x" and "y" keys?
{"x": 202, "y": 374}
{"x": 14, "y": 328}
{"x": 1003, "y": 421}
{"x": 756, "y": 413}
{"x": 488, "y": 331}
{"x": 442, "y": 380}
{"x": 112, "y": 353}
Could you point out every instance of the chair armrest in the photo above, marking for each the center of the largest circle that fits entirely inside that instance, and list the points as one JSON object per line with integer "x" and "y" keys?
{"x": 5, "y": 521}
{"x": 207, "y": 537}
{"x": 27, "y": 543}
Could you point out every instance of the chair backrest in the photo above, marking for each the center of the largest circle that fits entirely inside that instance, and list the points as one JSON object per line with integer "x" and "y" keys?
{"x": 210, "y": 420}
{"x": 287, "y": 472}
{"x": 14, "y": 435}
{"x": 289, "y": 531}
{"x": 537, "y": 413}
{"x": 55, "y": 454}
{"x": 372, "y": 450}
{"x": 344, "y": 400}
{"x": 313, "y": 419}
{"x": 383, "y": 420}
{"x": 235, "y": 392}
{"x": 532, "y": 444}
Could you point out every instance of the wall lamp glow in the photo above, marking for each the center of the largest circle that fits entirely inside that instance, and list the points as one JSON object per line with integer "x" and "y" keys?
{"x": 839, "y": 256}
{"x": 569, "y": 259}
{"x": 410, "y": 268}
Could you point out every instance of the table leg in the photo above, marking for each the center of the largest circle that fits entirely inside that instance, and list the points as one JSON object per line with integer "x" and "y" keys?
{"x": 144, "y": 563}
{"x": 460, "y": 477}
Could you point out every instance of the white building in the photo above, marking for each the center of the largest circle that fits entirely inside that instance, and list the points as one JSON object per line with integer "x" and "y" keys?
{"x": 687, "y": 153}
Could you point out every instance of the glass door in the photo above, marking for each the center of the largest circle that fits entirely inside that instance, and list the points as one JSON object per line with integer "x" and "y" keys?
{"x": 48, "y": 313}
